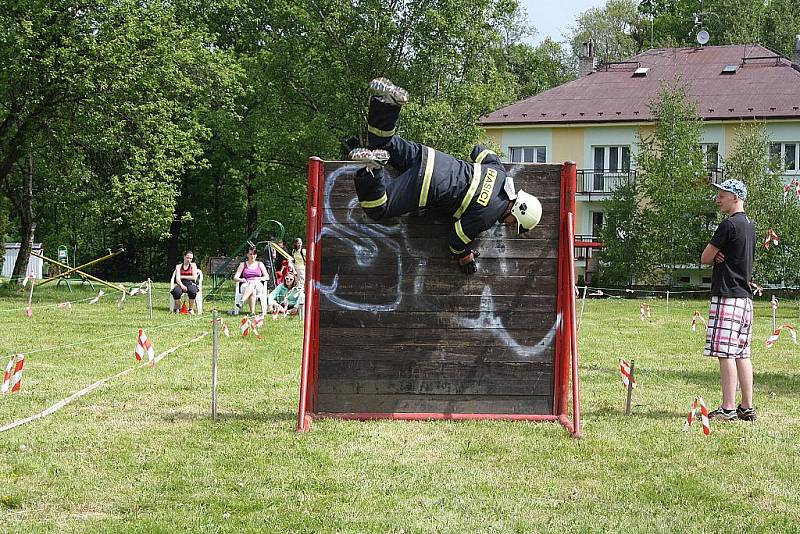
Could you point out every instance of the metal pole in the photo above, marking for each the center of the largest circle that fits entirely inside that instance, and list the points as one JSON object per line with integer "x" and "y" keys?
{"x": 772, "y": 305}
{"x": 150, "y": 299}
{"x": 215, "y": 353}
{"x": 667, "y": 303}
{"x": 630, "y": 391}
{"x": 583, "y": 304}
{"x": 33, "y": 283}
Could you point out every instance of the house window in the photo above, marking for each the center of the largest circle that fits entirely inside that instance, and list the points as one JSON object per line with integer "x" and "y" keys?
{"x": 711, "y": 155}
{"x": 597, "y": 223}
{"x": 609, "y": 163}
{"x": 528, "y": 154}
{"x": 787, "y": 154}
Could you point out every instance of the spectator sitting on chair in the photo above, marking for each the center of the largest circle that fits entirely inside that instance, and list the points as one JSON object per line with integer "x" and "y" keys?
{"x": 185, "y": 281}
{"x": 285, "y": 297}
{"x": 252, "y": 274}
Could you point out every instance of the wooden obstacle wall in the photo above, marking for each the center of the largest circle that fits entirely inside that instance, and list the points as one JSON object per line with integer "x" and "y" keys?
{"x": 401, "y": 330}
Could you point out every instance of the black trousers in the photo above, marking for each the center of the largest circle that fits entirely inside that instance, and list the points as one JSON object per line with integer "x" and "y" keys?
{"x": 191, "y": 289}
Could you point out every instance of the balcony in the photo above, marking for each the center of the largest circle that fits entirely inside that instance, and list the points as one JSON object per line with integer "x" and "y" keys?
{"x": 585, "y": 246}
{"x": 600, "y": 184}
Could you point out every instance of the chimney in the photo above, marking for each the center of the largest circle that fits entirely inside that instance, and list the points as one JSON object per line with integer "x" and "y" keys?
{"x": 587, "y": 63}
{"x": 796, "y": 53}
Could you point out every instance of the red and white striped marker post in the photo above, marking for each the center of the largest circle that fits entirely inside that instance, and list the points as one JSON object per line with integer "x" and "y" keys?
{"x": 12, "y": 378}
{"x": 777, "y": 333}
{"x": 698, "y": 405}
{"x": 626, "y": 370}
{"x": 771, "y": 239}
{"x": 143, "y": 346}
{"x": 697, "y": 317}
{"x": 641, "y": 312}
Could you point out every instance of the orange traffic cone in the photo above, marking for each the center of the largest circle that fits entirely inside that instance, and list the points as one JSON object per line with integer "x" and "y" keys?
{"x": 184, "y": 309}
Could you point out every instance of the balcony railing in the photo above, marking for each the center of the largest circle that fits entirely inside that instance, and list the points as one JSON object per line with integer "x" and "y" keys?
{"x": 601, "y": 184}
{"x": 717, "y": 176}
{"x": 586, "y": 245}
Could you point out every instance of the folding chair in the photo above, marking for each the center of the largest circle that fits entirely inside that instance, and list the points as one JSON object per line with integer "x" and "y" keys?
{"x": 197, "y": 301}
{"x": 262, "y": 298}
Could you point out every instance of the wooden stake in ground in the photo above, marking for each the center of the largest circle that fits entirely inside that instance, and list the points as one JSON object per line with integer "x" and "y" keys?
{"x": 630, "y": 391}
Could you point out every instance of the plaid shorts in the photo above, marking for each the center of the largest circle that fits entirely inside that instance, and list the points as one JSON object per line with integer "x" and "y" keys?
{"x": 730, "y": 328}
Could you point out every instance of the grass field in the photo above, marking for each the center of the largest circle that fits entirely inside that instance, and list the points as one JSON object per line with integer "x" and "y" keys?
{"x": 140, "y": 454}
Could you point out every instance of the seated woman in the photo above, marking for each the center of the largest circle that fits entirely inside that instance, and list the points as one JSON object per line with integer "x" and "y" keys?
{"x": 185, "y": 282}
{"x": 252, "y": 274}
{"x": 285, "y": 297}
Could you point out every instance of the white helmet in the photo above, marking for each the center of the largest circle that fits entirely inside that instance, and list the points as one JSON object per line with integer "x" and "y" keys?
{"x": 527, "y": 210}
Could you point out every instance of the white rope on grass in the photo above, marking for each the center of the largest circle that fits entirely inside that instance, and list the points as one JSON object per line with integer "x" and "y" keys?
{"x": 46, "y": 306}
{"x": 60, "y": 404}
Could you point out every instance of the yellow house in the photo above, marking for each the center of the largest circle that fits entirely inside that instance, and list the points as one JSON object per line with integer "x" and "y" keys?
{"x": 594, "y": 120}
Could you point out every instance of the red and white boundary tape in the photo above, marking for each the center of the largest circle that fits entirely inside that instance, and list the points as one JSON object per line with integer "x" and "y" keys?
{"x": 625, "y": 371}
{"x": 644, "y": 310}
{"x": 251, "y": 325}
{"x": 697, "y": 317}
{"x": 699, "y": 404}
{"x": 143, "y": 346}
{"x": 777, "y": 333}
{"x": 223, "y": 327}
{"x": 788, "y": 187}
{"x": 60, "y": 404}
{"x": 12, "y": 378}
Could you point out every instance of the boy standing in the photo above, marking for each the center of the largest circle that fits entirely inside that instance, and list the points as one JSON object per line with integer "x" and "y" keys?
{"x": 730, "y": 323}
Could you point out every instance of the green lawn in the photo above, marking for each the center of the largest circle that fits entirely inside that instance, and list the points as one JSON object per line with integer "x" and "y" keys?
{"x": 141, "y": 454}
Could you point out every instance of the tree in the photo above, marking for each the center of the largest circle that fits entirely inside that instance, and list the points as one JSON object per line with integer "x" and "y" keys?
{"x": 676, "y": 212}
{"x": 110, "y": 90}
{"x": 620, "y": 258}
{"x": 538, "y": 68}
{"x": 767, "y": 205}
{"x": 614, "y": 29}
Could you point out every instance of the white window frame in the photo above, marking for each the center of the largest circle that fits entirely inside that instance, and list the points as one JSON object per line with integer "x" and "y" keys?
{"x": 527, "y": 154}
{"x": 609, "y": 174}
{"x": 782, "y": 145}
{"x": 705, "y": 147}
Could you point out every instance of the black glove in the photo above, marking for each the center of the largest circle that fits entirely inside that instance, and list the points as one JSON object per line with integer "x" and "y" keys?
{"x": 468, "y": 268}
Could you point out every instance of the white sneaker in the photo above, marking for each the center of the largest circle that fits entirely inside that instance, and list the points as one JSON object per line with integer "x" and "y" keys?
{"x": 373, "y": 159}
{"x": 384, "y": 89}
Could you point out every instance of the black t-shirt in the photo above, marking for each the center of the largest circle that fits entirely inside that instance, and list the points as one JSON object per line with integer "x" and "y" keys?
{"x": 736, "y": 238}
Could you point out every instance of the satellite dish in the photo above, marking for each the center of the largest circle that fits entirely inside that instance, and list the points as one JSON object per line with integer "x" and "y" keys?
{"x": 703, "y": 37}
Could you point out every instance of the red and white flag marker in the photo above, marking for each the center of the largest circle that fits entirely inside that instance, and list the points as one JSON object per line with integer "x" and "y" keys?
{"x": 248, "y": 325}
{"x": 12, "y": 378}
{"x": 644, "y": 311}
{"x": 698, "y": 405}
{"x": 777, "y": 333}
{"x": 625, "y": 371}
{"x": 65, "y": 306}
{"x": 771, "y": 239}
{"x": 223, "y": 327}
{"x": 697, "y": 317}
{"x": 143, "y": 346}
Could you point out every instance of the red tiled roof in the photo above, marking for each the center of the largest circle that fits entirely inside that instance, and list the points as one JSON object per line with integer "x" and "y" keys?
{"x": 761, "y": 88}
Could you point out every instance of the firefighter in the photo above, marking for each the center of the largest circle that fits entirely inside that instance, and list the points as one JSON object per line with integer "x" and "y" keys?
{"x": 477, "y": 193}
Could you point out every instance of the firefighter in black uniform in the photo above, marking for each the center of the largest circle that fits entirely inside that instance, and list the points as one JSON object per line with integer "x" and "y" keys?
{"x": 477, "y": 193}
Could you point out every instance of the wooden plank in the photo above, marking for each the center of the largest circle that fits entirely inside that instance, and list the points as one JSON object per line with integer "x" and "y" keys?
{"x": 432, "y": 320}
{"x": 513, "y": 404}
{"x": 363, "y": 338}
{"x": 435, "y": 265}
{"x": 461, "y": 304}
{"x": 541, "y": 385}
{"x": 489, "y": 248}
{"x": 384, "y": 289}
{"x": 436, "y": 352}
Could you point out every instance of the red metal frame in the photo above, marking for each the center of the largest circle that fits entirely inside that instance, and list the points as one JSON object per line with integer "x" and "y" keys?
{"x": 566, "y": 360}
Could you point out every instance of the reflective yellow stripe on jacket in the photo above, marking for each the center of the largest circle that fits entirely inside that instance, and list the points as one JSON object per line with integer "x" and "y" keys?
{"x": 426, "y": 179}
{"x": 473, "y": 186}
